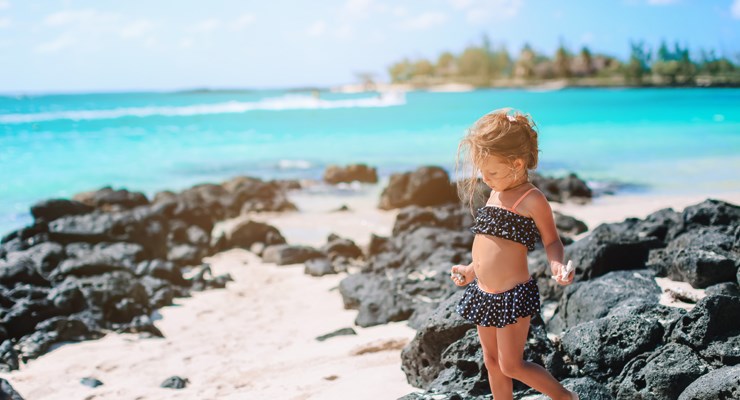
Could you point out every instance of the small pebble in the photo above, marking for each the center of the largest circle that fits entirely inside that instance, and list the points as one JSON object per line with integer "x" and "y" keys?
{"x": 90, "y": 381}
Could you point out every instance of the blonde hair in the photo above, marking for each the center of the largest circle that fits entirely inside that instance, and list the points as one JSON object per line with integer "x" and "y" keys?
{"x": 504, "y": 133}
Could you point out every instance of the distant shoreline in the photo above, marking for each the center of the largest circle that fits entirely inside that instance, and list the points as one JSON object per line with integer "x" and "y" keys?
{"x": 377, "y": 87}
{"x": 528, "y": 85}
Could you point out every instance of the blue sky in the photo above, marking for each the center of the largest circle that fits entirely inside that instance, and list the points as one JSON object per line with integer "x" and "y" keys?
{"x": 79, "y": 46}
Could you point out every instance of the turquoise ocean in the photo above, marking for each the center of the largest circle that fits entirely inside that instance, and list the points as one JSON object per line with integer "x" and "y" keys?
{"x": 647, "y": 141}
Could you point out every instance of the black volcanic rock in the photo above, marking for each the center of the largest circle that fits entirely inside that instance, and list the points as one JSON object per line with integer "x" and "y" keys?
{"x": 568, "y": 225}
{"x": 51, "y": 209}
{"x": 318, "y": 267}
{"x": 589, "y": 300}
{"x": 91, "y": 382}
{"x": 174, "y": 382}
{"x": 104, "y": 261}
{"x": 8, "y": 356}
{"x": 720, "y": 384}
{"x": 7, "y": 392}
{"x": 420, "y": 360}
{"x": 249, "y": 232}
{"x": 334, "y": 174}
{"x": 611, "y": 247}
{"x": 710, "y": 212}
{"x": 561, "y": 189}
{"x": 426, "y": 186}
{"x": 724, "y": 288}
{"x": 602, "y": 347}
{"x": 18, "y": 268}
{"x": 284, "y": 254}
{"x": 711, "y": 330}
{"x": 663, "y": 374}
{"x": 703, "y": 256}
{"x": 51, "y": 331}
{"x": 111, "y": 200}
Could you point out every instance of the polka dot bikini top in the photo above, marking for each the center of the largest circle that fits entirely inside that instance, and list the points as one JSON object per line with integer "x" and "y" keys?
{"x": 506, "y": 223}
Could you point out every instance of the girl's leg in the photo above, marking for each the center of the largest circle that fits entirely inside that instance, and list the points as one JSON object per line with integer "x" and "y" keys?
{"x": 501, "y": 385}
{"x": 511, "y": 340}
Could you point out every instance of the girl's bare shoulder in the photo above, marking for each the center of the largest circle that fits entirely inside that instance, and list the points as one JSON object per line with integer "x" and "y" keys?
{"x": 534, "y": 204}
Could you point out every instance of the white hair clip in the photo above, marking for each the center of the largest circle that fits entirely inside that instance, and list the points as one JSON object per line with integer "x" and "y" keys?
{"x": 511, "y": 118}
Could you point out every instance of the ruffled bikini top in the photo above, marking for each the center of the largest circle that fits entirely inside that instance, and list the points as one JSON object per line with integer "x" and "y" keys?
{"x": 506, "y": 223}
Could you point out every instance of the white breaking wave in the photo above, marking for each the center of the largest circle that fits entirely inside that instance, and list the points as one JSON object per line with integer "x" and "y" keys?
{"x": 294, "y": 164}
{"x": 288, "y": 102}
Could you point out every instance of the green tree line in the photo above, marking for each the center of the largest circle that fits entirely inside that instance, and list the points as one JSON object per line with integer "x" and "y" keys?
{"x": 487, "y": 65}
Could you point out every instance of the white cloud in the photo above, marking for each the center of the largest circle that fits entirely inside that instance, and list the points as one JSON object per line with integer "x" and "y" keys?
{"x": 399, "y": 11}
{"x": 79, "y": 17}
{"x": 242, "y": 22}
{"x": 317, "y": 28}
{"x": 735, "y": 9}
{"x": 91, "y": 30}
{"x": 357, "y": 8}
{"x": 345, "y": 31}
{"x": 5, "y": 23}
{"x": 662, "y": 2}
{"x": 461, "y": 4}
{"x": 4, "y": 4}
{"x": 136, "y": 29}
{"x": 186, "y": 43}
{"x": 424, "y": 21}
{"x": 53, "y": 46}
{"x": 207, "y": 25}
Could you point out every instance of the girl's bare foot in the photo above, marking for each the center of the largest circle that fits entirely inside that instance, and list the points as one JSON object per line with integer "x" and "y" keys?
{"x": 574, "y": 396}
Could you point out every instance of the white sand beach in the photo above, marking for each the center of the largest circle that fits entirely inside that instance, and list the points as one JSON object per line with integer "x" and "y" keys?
{"x": 256, "y": 338}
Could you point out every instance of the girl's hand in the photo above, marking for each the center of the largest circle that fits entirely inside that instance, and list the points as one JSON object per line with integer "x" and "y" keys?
{"x": 561, "y": 273}
{"x": 461, "y": 275}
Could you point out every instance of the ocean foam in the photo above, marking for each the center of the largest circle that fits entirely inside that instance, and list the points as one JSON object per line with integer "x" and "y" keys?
{"x": 287, "y": 102}
{"x": 294, "y": 164}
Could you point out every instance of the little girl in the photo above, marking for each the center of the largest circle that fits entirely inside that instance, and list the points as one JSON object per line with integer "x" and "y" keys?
{"x": 503, "y": 297}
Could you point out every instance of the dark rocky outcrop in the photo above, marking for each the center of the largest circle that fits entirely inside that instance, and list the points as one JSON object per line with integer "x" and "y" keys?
{"x": 602, "y": 347}
{"x": 175, "y": 382}
{"x": 411, "y": 274}
{"x": 91, "y": 382}
{"x": 284, "y": 254}
{"x": 663, "y": 374}
{"x": 318, "y": 267}
{"x": 51, "y": 209}
{"x": 334, "y": 174}
{"x": 615, "y": 340}
{"x": 720, "y": 384}
{"x": 7, "y": 392}
{"x": 561, "y": 189}
{"x": 589, "y": 300}
{"x": 338, "y": 332}
{"x": 724, "y": 288}
{"x": 247, "y": 233}
{"x": 107, "y": 259}
{"x": 109, "y": 199}
{"x": 703, "y": 257}
{"x": 711, "y": 330}
{"x": 342, "y": 253}
{"x": 568, "y": 227}
{"x": 421, "y": 359}
{"x": 611, "y": 247}
{"x": 426, "y": 186}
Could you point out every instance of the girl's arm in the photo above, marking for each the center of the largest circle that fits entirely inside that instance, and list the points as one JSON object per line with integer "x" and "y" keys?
{"x": 541, "y": 212}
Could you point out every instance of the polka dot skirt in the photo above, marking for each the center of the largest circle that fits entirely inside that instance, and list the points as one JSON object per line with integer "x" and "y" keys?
{"x": 499, "y": 309}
